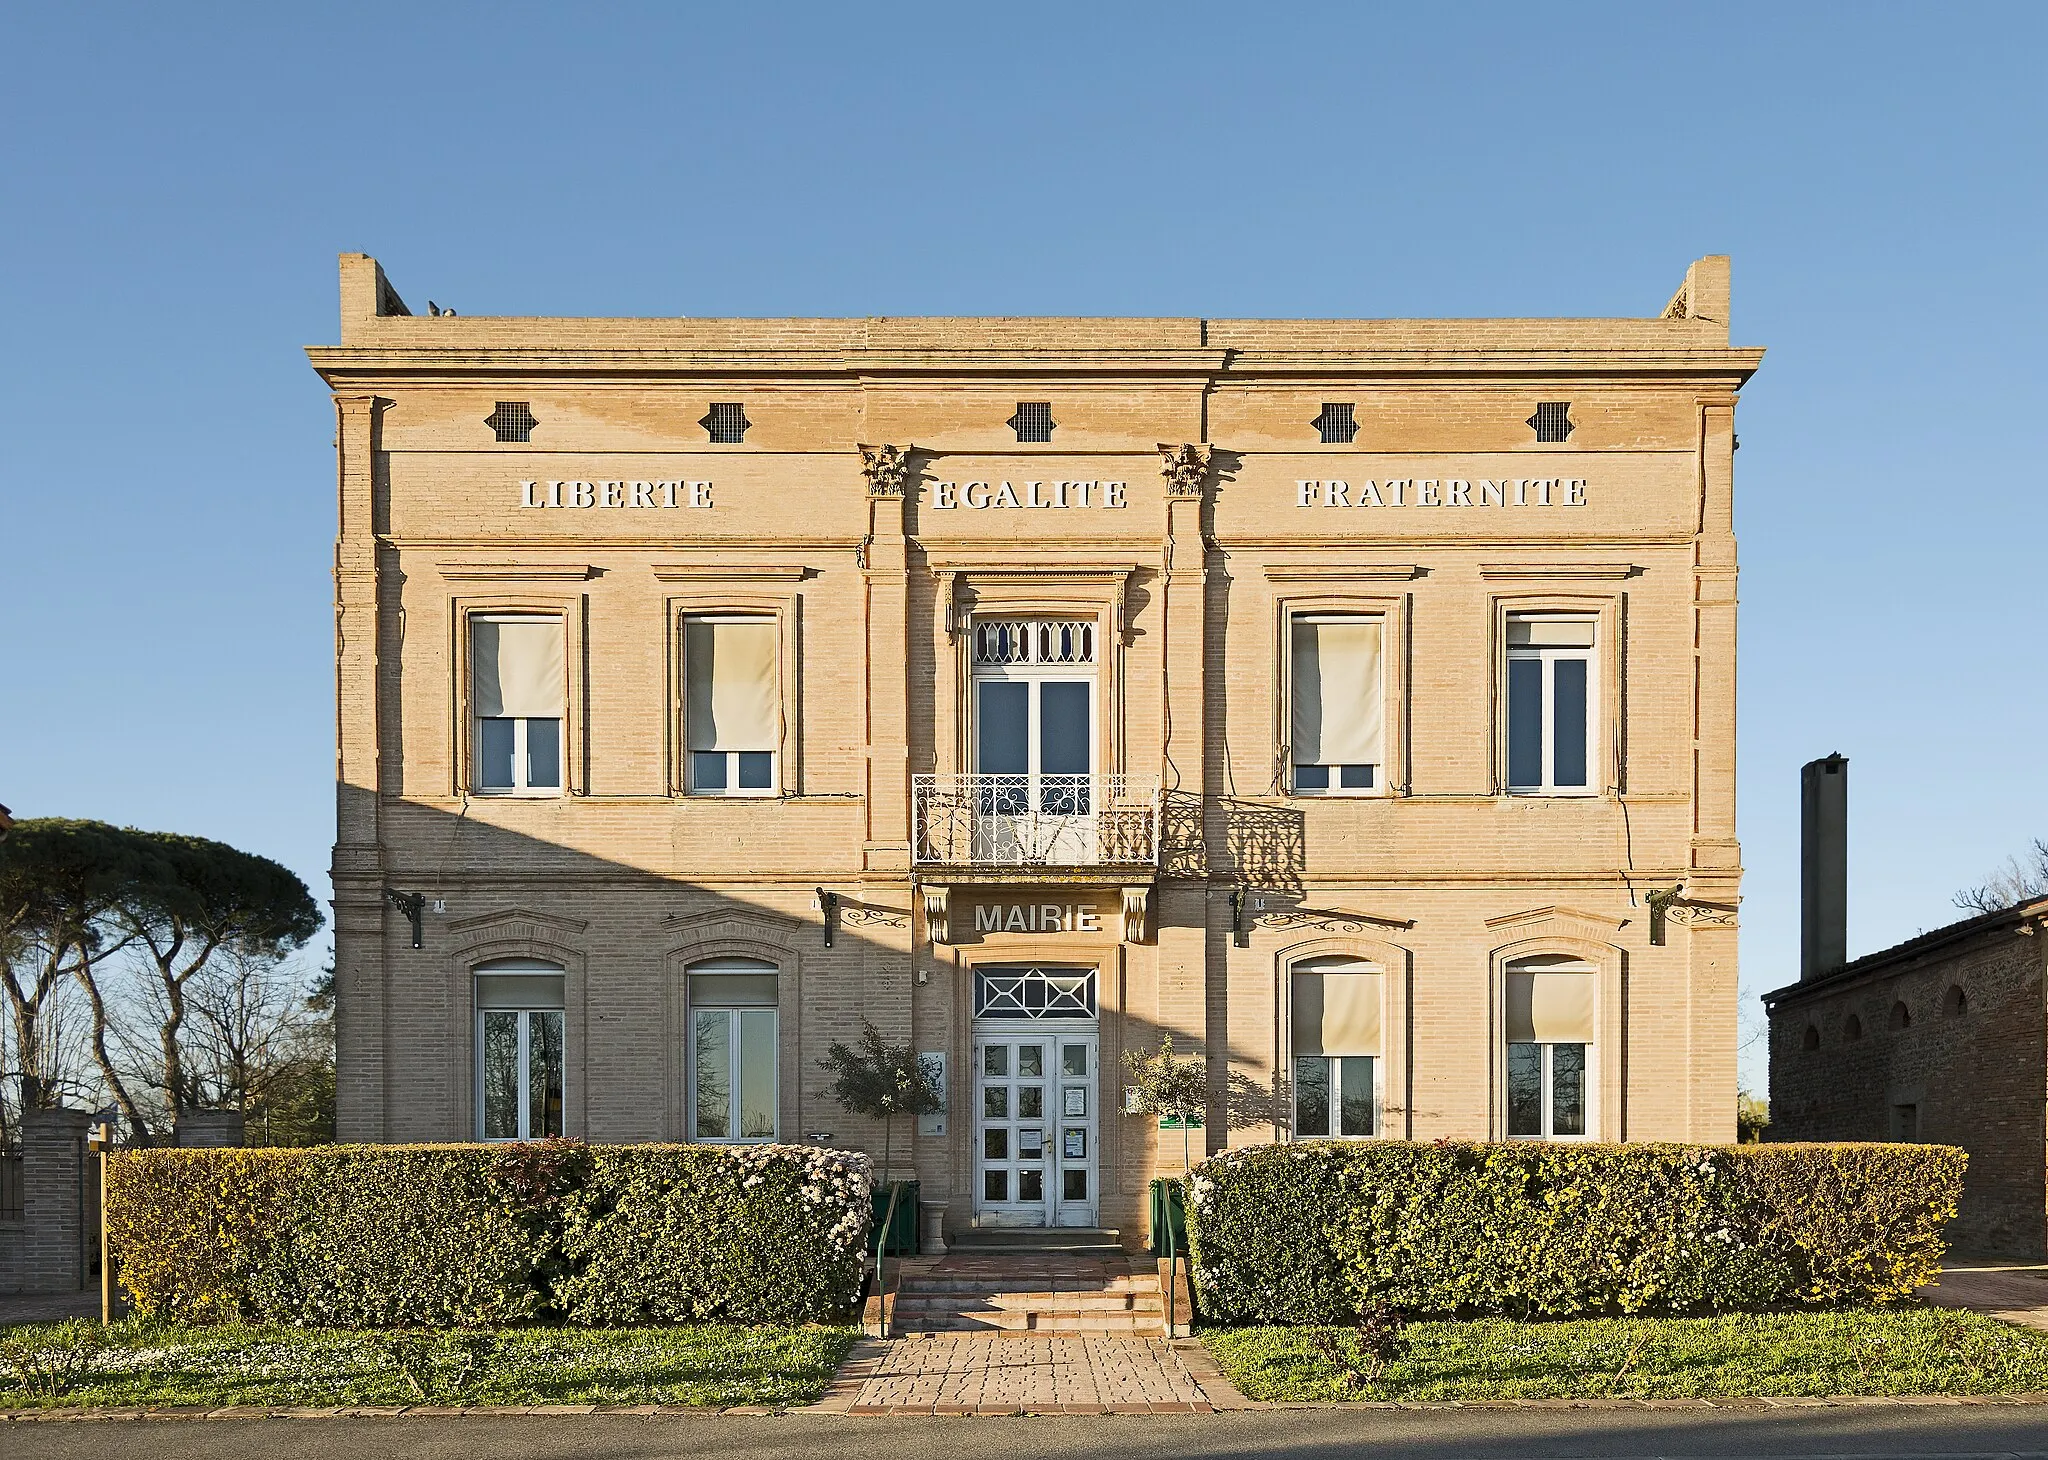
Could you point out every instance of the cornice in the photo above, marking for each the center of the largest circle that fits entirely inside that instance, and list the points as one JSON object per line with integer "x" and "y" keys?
{"x": 366, "y": 367}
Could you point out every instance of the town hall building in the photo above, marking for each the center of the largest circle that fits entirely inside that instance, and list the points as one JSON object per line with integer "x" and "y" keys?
{"x": 1351, "y": 700}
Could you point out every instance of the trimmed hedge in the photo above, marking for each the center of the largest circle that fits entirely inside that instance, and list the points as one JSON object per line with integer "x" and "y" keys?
{"x": 443, "y": 1236}
{"x": 1316, "y": 1231}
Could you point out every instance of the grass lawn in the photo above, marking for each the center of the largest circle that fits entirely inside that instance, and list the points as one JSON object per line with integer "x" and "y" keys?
{"x": 1909, "y": 1349}
{"x": 321, "y": 1367}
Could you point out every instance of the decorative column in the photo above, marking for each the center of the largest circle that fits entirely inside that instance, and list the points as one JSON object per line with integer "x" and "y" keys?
{"x": 1180, "y": 912}
{"x": 361, "y": 1030}
{"x": 885, "y": 852}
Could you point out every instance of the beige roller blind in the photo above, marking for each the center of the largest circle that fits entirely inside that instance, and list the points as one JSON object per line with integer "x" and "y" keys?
{"x": 1337, "y": 1010}
{"x": 734, "y": 691}
{"x": 1550, "y": 1007}
{"x": 1336, "y": 713}
{"x": 1550, "y": 633}
{"x": 518, "y": 667}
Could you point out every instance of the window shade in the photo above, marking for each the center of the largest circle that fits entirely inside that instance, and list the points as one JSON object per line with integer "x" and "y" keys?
{"x": 519, "y": 990}
{"x": 518, "y": 667}
{"x": 1336, "y": 713}
{"x": 1550, "y": 633}
{"x": 1550, "y": 1007}
{"x": 1337, "y": 1011}
{"x": 733, "y": 685}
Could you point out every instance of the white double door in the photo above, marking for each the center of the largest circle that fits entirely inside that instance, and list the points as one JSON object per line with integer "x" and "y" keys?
{"x": 1037, "y": 1086}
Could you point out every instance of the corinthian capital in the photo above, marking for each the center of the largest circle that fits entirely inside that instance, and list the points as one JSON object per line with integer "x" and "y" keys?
{"x": 887, "y": 469}
{"x": 1185, "y": 467}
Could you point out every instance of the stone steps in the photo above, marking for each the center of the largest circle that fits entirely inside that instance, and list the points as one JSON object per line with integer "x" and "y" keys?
{"x": 1024, "y": 1293}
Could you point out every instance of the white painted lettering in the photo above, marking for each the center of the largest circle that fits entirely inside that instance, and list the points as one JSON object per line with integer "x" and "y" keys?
{"x": 668, "y": 493}
{"x": 1426, "y": 493}
{"x": 527, "y": 497}
{"x": 643, "y": 494}
{"x": 554, "y": 494}
{"x": 1007, "y": 497}
{"x": 1016, "y": 923}
{"x": 988, "y": 919}
{"x": 700, "y": 494}
{"x": 1575, "y": 492}
{"x": 1337, "y": 494}
{"x": 1031, "y": 495}
{"x": 1086, "y": 921}
{"x": 1369, "y": 494}
{"x": 1488, "y": 488}
{"x": 1461, "y": 493}
{"x": 945, "y": 496}
{"x": 614, "y": 494}
{"x": 1112, "y": 494}
{"x": 1306, "y": 493}
{"x": 582, "y": 494}
{"x": 977, "y": 503}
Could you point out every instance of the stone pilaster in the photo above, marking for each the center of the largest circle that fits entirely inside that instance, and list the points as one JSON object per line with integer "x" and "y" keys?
{"x": 885, "y": 565}
{"x": 361, "y": 1033}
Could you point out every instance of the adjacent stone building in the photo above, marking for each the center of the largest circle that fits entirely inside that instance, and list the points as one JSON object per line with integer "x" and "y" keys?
{"x": 1942, "y": 1039}
{"x": 1352, "y": 700}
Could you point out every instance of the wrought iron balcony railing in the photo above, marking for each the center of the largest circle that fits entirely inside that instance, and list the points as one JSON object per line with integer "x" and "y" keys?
{"x": 1035, "y": 821}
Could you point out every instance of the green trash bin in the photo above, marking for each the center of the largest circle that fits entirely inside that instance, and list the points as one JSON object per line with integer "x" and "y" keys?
{"x": 1169, "y": 1215}
{"x": 903, "y": 1233}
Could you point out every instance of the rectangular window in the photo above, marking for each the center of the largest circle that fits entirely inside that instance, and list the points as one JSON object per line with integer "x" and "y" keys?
{"x": 1549, "y": 1049}
{"x": 733, "y": 1056}
{"x": 1034, "y": 736}
{"x": 1550, "y": 705}
{"x": 732, "y": 704}
{"x": 1336, "y": 1045}
{"x": 518, "y": 676}
{"x": 520, "y": 1056}
{"x": 1336, "y": 723}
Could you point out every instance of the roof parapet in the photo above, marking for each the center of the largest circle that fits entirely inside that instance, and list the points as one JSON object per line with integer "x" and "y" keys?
{"x": 1704, "y": 294}
{"x": 365, "y": 295}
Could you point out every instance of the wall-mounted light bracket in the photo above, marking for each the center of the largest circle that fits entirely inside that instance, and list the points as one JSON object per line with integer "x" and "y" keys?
{"x": 414, "y": 906}
{"x": 828, "y": 908}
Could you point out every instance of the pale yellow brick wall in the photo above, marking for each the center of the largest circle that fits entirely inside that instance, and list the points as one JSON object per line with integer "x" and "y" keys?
{"x": 623, "y": 880}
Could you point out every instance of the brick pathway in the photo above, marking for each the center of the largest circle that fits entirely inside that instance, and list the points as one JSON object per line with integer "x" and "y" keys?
{"x": 1034, "y": 1374}
{"x": 2016, "y": 1292}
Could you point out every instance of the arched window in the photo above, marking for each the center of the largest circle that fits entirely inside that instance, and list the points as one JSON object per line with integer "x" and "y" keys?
{"x": 1902, "y": 1017}
{"x": 520, "y": 1050}
{"x": 732, "y": 1055}
{"x": 1335, "y": 1027}
{"x": 1810, "y": 1039}
{"x": 1550, "y": 1047}
{"x": 1954, "y": 1003}
{"x": 1853, "y": 1029}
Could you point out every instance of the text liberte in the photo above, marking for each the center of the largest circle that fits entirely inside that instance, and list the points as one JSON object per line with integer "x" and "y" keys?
{"x": 615, "y": 494}
{"x": 1444, "y": 492}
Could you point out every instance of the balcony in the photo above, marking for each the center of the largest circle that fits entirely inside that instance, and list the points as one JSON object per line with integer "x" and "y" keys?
{"x": 1038, "y": 822}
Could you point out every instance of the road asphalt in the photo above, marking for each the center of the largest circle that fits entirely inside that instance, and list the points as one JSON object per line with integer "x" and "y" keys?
{"x": 1864, "y": 1432}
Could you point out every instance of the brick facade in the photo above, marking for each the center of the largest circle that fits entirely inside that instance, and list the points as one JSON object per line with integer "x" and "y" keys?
{"x": 1188, "y": 569}
{"x": 1941, "y": 1039}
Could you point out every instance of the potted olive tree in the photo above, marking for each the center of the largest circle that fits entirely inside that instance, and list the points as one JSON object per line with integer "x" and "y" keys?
{"x": 1174, "y": 1087}
{"x": 883, "y": 1081}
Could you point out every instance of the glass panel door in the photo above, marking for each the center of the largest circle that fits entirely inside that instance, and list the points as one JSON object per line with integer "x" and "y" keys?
{"x": 1035, "y": 1129}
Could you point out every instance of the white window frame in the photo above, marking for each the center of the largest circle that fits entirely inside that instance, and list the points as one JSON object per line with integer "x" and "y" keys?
{"x": 1548, "y": 656}
{"x": 736, "y": 1080}
{"x": 1379, "y": 767}
{"x": 520, "y": 786}
{"x": 525, "y": 1015}
{"x": 732, "y": 787}
{"x": 1029, "y": 673}
{"x": 1336, "y": 1097}
{"x": 1589, "y": 1093}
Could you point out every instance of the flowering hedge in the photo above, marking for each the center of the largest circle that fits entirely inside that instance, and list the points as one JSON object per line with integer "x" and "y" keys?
{"x": 381, "y": 1236}
{"x": 1314, "y": 1231}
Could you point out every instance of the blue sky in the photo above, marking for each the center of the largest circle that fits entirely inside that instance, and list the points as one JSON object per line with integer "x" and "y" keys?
{"x": 177, "y": 182}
